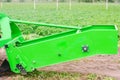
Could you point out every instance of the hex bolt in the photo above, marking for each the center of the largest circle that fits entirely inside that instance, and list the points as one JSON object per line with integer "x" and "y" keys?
{"x": 85, "y": 48}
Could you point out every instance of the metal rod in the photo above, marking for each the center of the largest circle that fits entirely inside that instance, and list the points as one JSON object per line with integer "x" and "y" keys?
{"x": 1, "y": 4}
{"x": 106, "y": 4}
{"x": 34, "y": 4}
{"x": 44, "y": 24}
{"x": 57, "y": 4}
{"x": 70, "y": 4}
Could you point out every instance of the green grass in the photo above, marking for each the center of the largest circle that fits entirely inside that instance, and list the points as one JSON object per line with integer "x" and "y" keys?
{"x": 51, "y": 75}
{"x": 81, "y": 14}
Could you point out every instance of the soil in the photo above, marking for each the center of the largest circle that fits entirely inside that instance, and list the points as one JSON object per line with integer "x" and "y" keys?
{"x": 108, "y": 65}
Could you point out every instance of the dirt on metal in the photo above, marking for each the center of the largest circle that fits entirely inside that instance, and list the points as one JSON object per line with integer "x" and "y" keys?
{"x": 108, "y": 65}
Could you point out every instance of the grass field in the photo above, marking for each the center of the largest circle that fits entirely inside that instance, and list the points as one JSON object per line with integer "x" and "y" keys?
{"x": 51, "y": 75}
{"x": 81, "y": 14}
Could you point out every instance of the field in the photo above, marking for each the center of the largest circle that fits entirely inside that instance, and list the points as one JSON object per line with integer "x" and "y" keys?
{"x": 80, "y": 15}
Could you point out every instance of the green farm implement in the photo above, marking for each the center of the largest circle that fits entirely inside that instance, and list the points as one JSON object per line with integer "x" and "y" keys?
{"x": 26, "y": 55}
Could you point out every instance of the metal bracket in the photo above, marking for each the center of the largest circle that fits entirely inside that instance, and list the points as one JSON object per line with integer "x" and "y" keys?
{"x": 21, "y": 68}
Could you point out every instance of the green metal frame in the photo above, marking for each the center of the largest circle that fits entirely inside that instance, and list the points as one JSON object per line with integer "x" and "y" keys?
{"x": 57, "y": 48}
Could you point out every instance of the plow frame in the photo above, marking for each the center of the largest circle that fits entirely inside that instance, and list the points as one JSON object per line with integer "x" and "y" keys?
{"x": 25, "y": 56}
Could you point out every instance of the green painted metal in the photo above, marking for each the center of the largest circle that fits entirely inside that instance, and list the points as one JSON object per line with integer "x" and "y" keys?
{"x": 57, "y": 48}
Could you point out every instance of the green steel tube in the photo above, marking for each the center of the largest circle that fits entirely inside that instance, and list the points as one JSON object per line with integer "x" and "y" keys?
{"x": 44, "y": 24}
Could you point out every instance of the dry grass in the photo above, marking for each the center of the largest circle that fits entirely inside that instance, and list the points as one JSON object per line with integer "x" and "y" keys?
{"x": 51, "y": 75}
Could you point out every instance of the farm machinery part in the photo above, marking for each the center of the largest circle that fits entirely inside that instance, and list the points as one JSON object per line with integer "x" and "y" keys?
{"x": 26, "y": 55}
